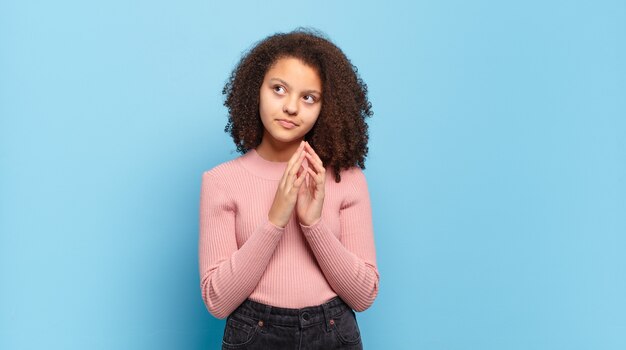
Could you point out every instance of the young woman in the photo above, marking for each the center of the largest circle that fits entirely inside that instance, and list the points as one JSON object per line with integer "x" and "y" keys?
{"x": 286, "y": 244}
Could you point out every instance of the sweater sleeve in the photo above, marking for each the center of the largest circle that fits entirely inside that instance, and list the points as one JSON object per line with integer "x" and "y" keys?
{"x": 228, "y": 274}
{"x": 349, "y": 263}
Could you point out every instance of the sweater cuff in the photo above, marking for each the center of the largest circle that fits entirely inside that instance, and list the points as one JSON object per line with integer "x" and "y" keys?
{"x": 313, "y": 228}
{"x": 270, "y": 227}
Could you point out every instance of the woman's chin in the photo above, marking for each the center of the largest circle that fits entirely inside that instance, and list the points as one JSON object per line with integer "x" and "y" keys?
{"x": 287, "y": 139}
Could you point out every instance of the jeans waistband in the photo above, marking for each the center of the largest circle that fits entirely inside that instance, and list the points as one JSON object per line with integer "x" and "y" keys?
{"x": 303, "y": 317}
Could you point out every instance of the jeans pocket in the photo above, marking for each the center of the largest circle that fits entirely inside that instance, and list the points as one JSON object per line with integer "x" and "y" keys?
{"x": 346, "y": 328}
{"x": 239, "y": 331}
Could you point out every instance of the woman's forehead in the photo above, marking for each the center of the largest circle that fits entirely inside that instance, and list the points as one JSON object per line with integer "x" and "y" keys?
{"x": 295, "y": 73}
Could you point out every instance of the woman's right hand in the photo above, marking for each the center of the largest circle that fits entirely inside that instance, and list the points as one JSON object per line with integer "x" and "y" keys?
{"x": 287, "y": 192}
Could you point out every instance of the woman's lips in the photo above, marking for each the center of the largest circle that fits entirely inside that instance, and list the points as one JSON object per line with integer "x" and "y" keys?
{"x": 287, "y": 124}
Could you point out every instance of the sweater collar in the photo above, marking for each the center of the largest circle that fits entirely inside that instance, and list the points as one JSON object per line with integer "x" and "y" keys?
{"x": 261, "y": 167}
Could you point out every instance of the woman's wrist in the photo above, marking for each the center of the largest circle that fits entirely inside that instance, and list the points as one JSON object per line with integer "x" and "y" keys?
{"x": 276, "y": 222}
{"x": 313, "y": 222}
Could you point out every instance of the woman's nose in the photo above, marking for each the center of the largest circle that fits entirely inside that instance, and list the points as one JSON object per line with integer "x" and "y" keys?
{"x": 291, "y": 106}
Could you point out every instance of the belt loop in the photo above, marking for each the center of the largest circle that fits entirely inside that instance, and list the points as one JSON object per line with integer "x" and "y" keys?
{"x": 327, "y": 316}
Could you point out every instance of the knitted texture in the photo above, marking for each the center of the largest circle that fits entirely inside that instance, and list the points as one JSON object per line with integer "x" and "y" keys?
{"x": 244, "y": 255}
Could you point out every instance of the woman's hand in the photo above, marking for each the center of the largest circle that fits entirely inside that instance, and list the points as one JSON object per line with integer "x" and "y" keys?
{"x": 287, "y": 192}
{"x": 311, "y": 195}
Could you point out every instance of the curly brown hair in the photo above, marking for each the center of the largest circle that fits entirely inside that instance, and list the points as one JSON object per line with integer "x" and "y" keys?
{"x": 340, "y": 134}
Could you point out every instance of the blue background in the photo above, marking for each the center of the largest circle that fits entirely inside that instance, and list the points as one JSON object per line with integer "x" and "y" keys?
{"x": 497, "y": 168}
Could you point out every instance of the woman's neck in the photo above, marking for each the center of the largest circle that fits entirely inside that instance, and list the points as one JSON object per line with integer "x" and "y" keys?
{"x": 274, "y": 152}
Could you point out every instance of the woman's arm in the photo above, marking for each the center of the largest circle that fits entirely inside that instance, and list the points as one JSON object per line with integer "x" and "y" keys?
{"x": 229, "y": 275}
{"x": 349, "y": 264}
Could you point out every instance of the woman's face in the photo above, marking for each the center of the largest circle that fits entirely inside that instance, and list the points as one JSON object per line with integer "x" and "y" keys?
{"x": 290, "y": 100}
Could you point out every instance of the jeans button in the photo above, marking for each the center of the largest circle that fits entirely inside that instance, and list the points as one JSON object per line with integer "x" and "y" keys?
{"x": 305, "y": 316}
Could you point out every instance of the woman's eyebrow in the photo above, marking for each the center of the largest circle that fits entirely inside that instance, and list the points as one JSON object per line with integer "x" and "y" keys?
{"x": 289, "y": 87}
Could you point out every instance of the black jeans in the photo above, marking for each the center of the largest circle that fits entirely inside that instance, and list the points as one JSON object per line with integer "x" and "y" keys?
{"x": 331, "y": 325}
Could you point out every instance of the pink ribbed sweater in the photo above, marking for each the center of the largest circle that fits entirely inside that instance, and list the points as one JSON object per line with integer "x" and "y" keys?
{"x": 244, "y": 255}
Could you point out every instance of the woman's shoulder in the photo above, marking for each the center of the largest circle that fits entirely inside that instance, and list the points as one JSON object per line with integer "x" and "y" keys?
{"x": 353, "y": 171}
{"x": 353, "y": 177}
{"x": 224, "y": 170}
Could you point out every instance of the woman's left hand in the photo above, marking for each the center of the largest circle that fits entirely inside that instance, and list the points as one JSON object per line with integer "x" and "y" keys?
{"x": 311, "y": 195}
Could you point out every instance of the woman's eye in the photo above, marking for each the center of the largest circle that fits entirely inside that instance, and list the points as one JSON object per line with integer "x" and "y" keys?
{"x": 310, "y": 98}
{"x": 279, "y": 89}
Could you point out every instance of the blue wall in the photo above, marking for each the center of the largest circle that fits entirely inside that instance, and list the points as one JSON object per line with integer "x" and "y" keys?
{"x": 497, "y": 168}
